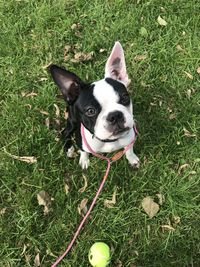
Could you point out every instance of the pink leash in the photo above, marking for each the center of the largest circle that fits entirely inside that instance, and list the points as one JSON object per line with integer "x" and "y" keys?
{"x": 117, "y": 156}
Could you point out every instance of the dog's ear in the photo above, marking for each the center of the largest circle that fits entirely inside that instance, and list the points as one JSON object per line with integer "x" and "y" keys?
{"x": 67, "y": 81}
{"x": 116, "y": 66}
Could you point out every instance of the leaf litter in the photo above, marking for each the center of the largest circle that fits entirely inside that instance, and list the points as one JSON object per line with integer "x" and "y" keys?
{"x": 27, "y": 159}
{"x": 45, "y": 200}
{"x": 109, "y": 203}
{"x": 82, "y": 189}
{"x": 82, "y": 207}
{"x": 150, "y": 207}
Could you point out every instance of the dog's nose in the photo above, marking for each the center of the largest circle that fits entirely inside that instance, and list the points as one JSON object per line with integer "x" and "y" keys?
{"x": 115, "y": 117}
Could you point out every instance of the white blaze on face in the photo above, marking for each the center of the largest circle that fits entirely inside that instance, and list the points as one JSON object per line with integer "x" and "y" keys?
{"x": 108, "y": 98}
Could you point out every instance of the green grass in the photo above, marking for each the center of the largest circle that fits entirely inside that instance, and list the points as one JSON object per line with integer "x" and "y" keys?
{"x": 33, "y": 34}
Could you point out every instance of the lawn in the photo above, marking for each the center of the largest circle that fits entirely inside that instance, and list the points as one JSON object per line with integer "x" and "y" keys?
{"x": 163, "y": 63}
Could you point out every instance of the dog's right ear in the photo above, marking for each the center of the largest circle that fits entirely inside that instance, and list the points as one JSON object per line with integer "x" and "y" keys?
{"x": 67, "y": 81}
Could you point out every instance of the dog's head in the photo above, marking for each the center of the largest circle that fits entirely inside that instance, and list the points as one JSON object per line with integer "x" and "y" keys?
{"x": 104, "y": 107}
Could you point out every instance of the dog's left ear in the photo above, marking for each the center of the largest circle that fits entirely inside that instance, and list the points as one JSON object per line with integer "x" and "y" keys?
{"x": 116, "y": 66}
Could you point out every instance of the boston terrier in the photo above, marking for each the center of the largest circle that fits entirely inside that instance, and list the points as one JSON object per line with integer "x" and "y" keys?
{"x": 104, "y": 108}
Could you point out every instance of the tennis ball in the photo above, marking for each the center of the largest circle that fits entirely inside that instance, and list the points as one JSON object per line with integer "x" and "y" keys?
{"x": 99, "y": 255}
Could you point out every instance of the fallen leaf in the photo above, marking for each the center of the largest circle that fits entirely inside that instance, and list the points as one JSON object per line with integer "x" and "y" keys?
{"x": 140, "y": 57}
{"x": 28, "y": 106}
{"x": 82, "y": 207}
{"x": 183, "y": 167}
{"x": 118, "y": 263}
{"x": 179, "y": 48}
{"x": 167, "y": 227}
{"x": 161, "y": 198}
{"x": 81, "y": 57}
{"x": 143, "y": 32}
{"x": 24, "y": 249}
{"x": 176, "y": 219}
{"x": 57, "y": 110}
{"x": 44, "y": 112}
{"x": 37, "y": 260}
{"x": 161, "y": 21}
{"x": 27, "y": 258}
{"x": 45, "y": 200}
{"x": 172, "y": 116}
{"x": 102, "y": 50}
{"x": 29, "y": 160}
{"x": 47, "y": 122}
{"x": 43, "y": 79}
{"x": 187, "y": 133}
{"x": 198, "y": 70}
{"x": 110, "y": 203}
{"x": 188, "y": 75}
{"x": 32, "y": 94}
{"x": 66, "y": 115}
{"x": 150, "y": 207}
{"x": 76, "y": 26}
{"x": 47, "y": 65}
{"x": 3, "y": 211}
{"x": 66, "y": 187}
{"x": 81, "y": 190}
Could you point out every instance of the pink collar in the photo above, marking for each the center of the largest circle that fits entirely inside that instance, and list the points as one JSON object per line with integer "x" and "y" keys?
{"x": 117, "y": 156}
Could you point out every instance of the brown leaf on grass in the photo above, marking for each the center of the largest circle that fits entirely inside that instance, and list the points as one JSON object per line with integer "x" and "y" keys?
{"x": 150, "y": 207}
{"x": 140, "y": 57}
{"x": 57, "y": 111}
{"x": 45, "y": 200}
{"x": 37, "y": 260}
{"x": 32, "y": 94}
{"x": 167, "y": 227}
{"x": 24, "y": 249}
{"x": 161, "y": 21}
{"x": 187, "y": 133}
{"x": 47, "y": 123}
{"x": 198, "y": 70}
{"x": 28, "y": 106}
{"x": 102, "y": 50}
{"x": 29, "y": 160}
{"x": 27, "y": 258}
{"x": 161, "y": 198}
{"x": 110, "y": 203}
{"x": 66, "y": 115}
{"x": 81, "y": 190}
{"x": 189, "y": 75}
{"x": 3, "y": 211}
{"x": 66, "y": 188}
{"x": 182, "y": 168}
{"x": 82, "y": 207}
{"x": 47, "y": 65}
{"x": 76, "y": 26}
{"x": 81, "y": 57}
{"x": 44, "y": 112}
{"x": 176, "y": 219}
{"x": 179, "y": 48}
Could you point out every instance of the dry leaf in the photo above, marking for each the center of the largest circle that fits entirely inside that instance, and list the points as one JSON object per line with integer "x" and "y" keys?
{"x": 27, "y": 257}
{"x": 3, "y": 211}
{"x": 102, "y": 50}
{"x": 161, "y": 198}
{"x": 82, "y": 207}
{"x": 110, "y": 203}
{"x": 150, "y": 207}
{"x": 66, "y": 187}
{"x": 81, "y": 190}
{"x": 24, "y": 249}
{"x": 172, "y": 116}
{"x": 47, "y": 65}
{"x": 167, "y": 227}
{"x": 198, "y": 70}
{"x": 188, "y": 75}
{"x": 28, "y": 106}
{"x": 66, "y": 115}
{"x": 140, "y": 57}
{"x": 76, "y": 26}
{"x": 183, "y": 167}
{"x": 177, "y": 219}
{"x": 32, "y": 94}
{"x": 57, "y": 110}
{"x": 47, "y": 122}
{"x": 44, "y": 112}
{"x": 44, "y": 200}
{"x": 37, "y": 260}
{"x": 81, "y": 57}
{"x": 29, "y": 160}
{"x": 187, "y": 133}
{"x": 161, "y": 21}
{"x": 179, "y": 48}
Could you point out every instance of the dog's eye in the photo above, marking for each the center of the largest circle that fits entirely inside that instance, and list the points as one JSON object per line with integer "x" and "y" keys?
{"x": 90, "y": 112}
{"x": 125, "y": 100}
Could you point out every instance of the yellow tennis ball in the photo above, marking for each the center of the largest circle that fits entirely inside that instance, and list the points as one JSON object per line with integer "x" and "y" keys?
{"x": 99, "y": 255}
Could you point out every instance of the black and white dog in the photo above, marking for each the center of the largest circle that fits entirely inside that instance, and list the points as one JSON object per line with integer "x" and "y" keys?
{"x": 103, "y": 107}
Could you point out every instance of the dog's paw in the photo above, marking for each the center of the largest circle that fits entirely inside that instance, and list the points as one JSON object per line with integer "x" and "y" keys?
{"x": 84, "y": 160}
{"x": 135, "y": 163}
{"x": 133, "y": 160}
{"x": 70, "y": 152}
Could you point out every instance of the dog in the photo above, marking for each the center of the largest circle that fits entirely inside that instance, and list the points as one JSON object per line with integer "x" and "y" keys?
{"x": 104, "y": 108}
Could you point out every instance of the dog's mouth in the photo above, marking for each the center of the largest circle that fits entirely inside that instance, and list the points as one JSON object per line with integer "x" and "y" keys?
{"x": 115, "y": 135}
{"x": 119, "y": 131}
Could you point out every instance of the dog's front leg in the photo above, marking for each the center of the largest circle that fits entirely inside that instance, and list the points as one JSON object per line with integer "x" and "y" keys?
{"x": 132, "y": 158}
{"x": 84, "y": 159}
{"x": 67, "y": 135}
